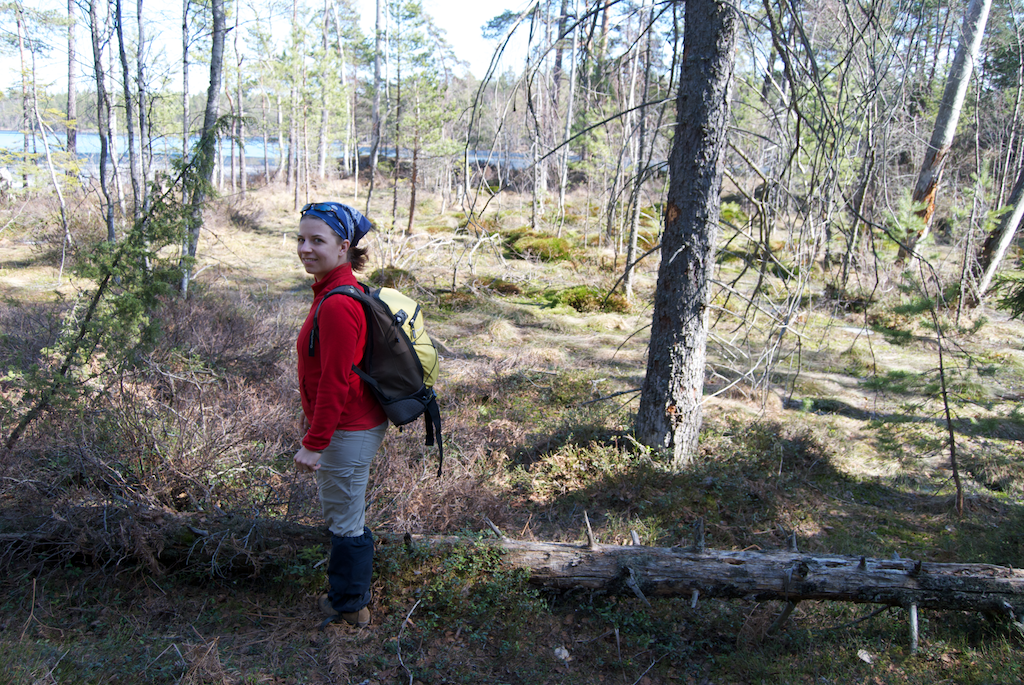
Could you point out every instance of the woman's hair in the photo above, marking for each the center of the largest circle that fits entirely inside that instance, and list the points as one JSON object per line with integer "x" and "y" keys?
{"x": 358, "y": 257}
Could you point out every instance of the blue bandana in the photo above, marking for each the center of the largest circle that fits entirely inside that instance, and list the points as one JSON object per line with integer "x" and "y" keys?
{"x": 348, "y": 223}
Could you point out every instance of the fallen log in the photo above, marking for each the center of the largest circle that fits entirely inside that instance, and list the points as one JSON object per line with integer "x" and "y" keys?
{"x": 787, "y": 576}
{"x": 772, "y": 575}
{"x": 236, "y": 544}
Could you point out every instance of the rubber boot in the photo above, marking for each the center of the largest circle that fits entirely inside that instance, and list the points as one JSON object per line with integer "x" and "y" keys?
{"x": 350, "y": 571}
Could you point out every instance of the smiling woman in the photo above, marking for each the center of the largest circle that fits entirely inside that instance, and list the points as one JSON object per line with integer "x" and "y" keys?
{"x": 320, "y": 248}
{"x": 344, "y": 424}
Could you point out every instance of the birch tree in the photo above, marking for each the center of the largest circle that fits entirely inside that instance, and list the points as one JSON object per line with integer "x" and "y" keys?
{"x": 946, "y": 120}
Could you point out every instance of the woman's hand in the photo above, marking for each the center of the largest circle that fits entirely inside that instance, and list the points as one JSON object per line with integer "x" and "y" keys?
{"x": 307, "y": 460}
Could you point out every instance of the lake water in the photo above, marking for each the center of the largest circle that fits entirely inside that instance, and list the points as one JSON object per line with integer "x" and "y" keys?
{"x": 166, "y": 148}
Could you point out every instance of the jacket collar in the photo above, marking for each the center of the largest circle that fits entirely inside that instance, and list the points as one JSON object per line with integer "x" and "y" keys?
{"x": 339, "y": 275}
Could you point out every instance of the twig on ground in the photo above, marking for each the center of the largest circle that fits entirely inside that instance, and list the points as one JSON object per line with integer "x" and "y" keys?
{"x": 854, "y": 622}
{"x": 399, "y": 644}
{"x": 31, "y": 612}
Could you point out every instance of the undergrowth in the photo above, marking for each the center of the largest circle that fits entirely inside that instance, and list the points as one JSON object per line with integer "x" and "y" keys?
{"x": 127, "y": 580}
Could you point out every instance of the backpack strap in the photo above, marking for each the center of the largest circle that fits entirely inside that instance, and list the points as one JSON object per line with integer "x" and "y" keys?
{"x": 432, "y": 424}
{"x": 349, "y": 290}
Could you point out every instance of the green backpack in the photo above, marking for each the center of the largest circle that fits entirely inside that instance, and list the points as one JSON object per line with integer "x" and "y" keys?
{"x": 400, "y": 363}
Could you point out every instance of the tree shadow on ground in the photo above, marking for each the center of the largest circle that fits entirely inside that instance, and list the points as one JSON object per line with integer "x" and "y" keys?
{"x": 756, "y": 487}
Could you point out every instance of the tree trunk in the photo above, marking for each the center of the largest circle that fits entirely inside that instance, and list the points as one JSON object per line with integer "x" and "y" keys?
{"x": 414, "y": 171}
{"x": 184, "y": 82}
{"x": 376, "y": 125}
{"x": 266, "y": 142}
{"x": 281, "y": 137}
{"x": 44, "y": 132}
{"x": 321, "y": 149}
{"x": 346, "y": 160}
{"x": 243, "y": 171}
{"x": 563, "y": 181}
{"x": 534, "y": 124}
{"x": 397, "y": 141}
{"x": 759, "y": 576}
{"x": 232, "y": 136}
{"x": 556, "y": 71}
{"x": 26, "y": 126}
{"x": 145, "y": 139}
{"x": 162, "y": 539}
{"x": 292, "y": 175}
{"x": 946, "y": 120}
{"x": 72, "y": 109}
{"x": 670, "y": 406}
{"x": 640, "y": 163}
{"x": 207, "y": 142}
{"x": 998, "y": 242}
{"x": 134, "y": 167}
{"x": 144, "y": 132}
{"x": 102, "y": 116}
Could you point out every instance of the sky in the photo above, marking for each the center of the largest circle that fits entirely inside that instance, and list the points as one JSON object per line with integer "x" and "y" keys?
{"x": 461, "y": 20}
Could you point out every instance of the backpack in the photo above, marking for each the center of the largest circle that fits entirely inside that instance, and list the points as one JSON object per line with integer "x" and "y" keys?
{"x": 400, "y": 362}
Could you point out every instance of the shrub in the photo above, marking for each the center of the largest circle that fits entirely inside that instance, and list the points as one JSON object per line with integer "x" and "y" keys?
{"x": 731, "y": 213}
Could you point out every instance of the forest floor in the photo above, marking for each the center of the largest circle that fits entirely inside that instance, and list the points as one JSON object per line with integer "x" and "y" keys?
{"x": 843, "y": 442}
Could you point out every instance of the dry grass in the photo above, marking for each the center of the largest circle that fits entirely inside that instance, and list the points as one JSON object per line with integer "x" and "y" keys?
{"x": 204, "y": 427}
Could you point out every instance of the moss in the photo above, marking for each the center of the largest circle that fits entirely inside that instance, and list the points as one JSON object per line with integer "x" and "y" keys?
{"x": 391, "y": 277}
{"x": 501, "y": 286}
{"x": 588, "y": 299}
{"x": 545, "y": 248}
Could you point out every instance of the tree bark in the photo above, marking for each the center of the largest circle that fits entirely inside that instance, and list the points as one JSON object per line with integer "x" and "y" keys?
{"x": 207, "y": 142}
{"x": 563, "y": 181}
{"x": 946, "y": 120}
{"x": 26, "y": 126}
{"x": 134, "y": 166}
{"x": 243, "y": 173}
{"x": 321, "y": 148}
{"x": 292, "y": 175}
{"x": 72, "y": 109}
{"x": 413, "y": 171}
{"x": 102, "y": 116}
{"x": 346, "y": 163}
{"x": 398, "y": 123}
{"x": 145, "y": 137}
{"x": 787, "y": 576}
{"x": 376, "y": 124}
{"x": 640, "y": 163}
{"x": 163, "y": 539}
{"x": 998, "y": 242}
{"x": 670, "y": 405}
{"x": 282, "y": 163}
{"x": 185, "y": 116}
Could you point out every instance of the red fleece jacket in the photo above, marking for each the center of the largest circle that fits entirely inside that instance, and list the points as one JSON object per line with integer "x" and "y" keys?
{"x": 334, "y": 397}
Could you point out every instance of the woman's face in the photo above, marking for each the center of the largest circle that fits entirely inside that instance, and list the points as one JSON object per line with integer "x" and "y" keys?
{"x": 320, "y": 249}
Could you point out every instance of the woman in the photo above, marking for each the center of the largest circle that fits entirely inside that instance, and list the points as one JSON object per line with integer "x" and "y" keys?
{"x": 343, "y": 422}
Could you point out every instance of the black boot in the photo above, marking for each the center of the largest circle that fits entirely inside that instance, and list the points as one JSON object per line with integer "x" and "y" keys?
{"x": 350, "y": 572}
